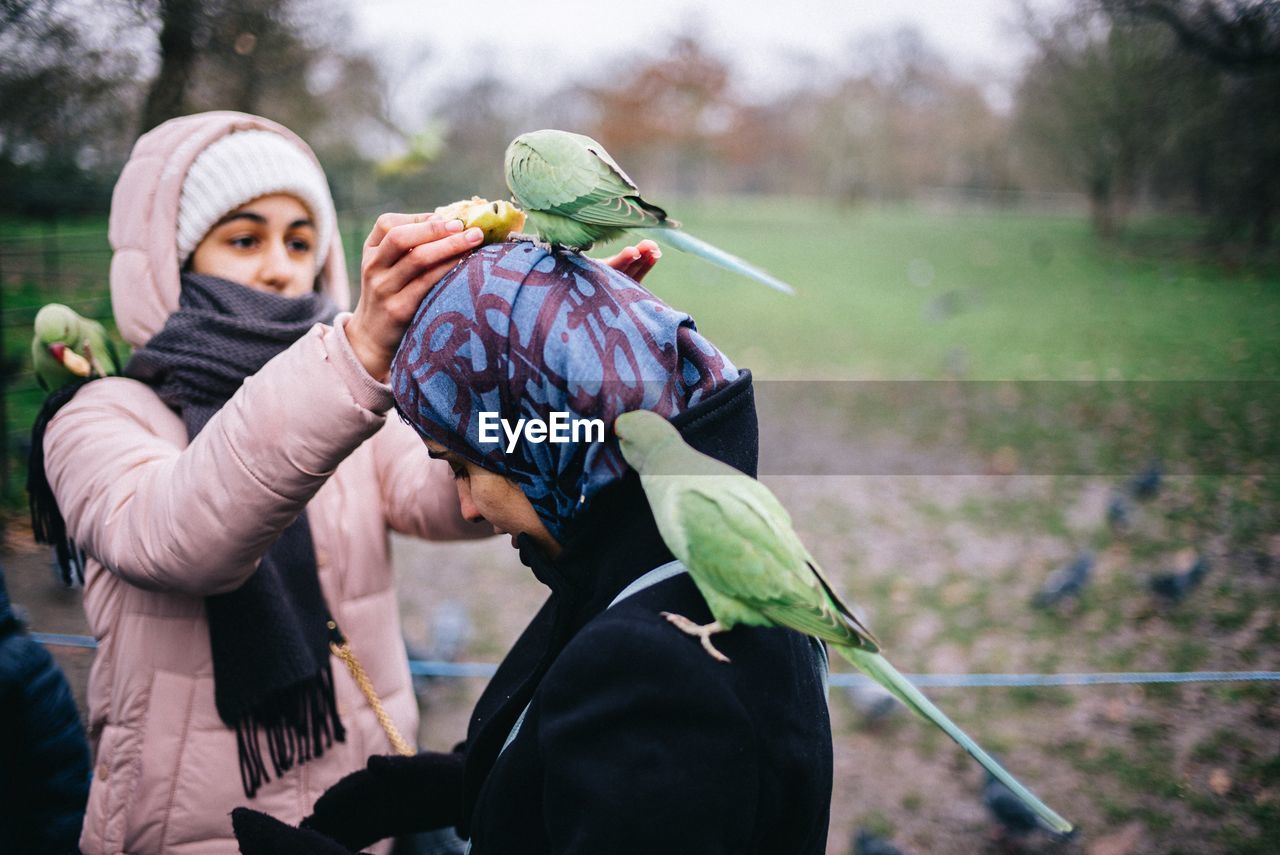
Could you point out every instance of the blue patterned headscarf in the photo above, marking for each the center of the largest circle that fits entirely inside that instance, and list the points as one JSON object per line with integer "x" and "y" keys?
{"x": 519, "y": 331}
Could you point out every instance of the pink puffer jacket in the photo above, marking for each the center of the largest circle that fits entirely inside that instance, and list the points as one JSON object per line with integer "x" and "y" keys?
{"x": 167, "y": 523}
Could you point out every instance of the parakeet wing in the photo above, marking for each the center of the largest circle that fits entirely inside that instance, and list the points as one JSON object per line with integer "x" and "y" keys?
{"x": 562, "y": 175}
{"x": 98, "y": 345}
{"x": 737, "y": 548}
{"x": 625, "y": 212}
{"x": 597, "y": 150}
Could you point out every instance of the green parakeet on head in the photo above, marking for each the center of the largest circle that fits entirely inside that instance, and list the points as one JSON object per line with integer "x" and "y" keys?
{"x": 737, "y": 542}
{"x": 68, "y": 347}
{"x": 575, "y": 194}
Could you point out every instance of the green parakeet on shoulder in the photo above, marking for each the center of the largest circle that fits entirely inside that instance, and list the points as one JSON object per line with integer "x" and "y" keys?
{"x": 575, "y": 195}
{"x": 737, "y": 542}
{"x": 68, "y": 347}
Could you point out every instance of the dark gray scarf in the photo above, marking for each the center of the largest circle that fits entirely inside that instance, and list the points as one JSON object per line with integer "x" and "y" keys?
{"x": 270, "y": 638}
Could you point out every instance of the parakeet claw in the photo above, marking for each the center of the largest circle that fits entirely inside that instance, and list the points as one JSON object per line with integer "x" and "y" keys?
{"x": 703, "y": 632}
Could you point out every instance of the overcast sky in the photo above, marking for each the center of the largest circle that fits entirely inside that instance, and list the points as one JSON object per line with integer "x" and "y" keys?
{"x": 560, "y": 39}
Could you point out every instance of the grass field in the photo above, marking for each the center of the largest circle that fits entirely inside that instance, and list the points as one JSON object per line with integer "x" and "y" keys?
{"x": 947, "y": 409}
{"x": 902, "y": 294}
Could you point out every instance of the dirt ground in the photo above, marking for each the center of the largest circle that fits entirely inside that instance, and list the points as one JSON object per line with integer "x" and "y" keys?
{"x": 944, "y": 567}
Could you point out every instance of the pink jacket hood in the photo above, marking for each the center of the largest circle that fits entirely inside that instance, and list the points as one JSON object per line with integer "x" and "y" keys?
{"x": 144, "y": 221}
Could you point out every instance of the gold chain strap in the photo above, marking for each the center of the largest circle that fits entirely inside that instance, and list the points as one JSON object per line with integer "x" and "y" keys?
{"x": 342, "y": 649}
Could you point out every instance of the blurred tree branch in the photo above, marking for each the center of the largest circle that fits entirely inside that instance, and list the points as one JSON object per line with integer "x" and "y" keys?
{"x": 1236, "y": 35}
{"x": 13, "y": 11}
{"x": 62, "y": 87}
{"x": 74, "y": 97}
{"x": 167, "y": 95}
{"x": 667, "y": 115}
{"x": 1162, "y": 100}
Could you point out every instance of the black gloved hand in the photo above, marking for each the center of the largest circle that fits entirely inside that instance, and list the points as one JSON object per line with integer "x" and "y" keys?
{"x": 261, "y": 834}
{"x": 393, "y": 795}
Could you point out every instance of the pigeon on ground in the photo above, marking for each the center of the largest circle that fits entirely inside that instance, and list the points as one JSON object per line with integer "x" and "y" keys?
{"x": 450, "y": 630}
{"x": 1174, "y": 586}
{"x": 1142, "y": 487}
{"x": 867, "y": 843}
{"x": 873, "y": 702}
{"x": 1066, "y": 582}
{"x": 1146, "y": 484}
{"x": 1013, "y": 819}
{"x": 1120, "y": 511}
{"x": 450, "y": 633}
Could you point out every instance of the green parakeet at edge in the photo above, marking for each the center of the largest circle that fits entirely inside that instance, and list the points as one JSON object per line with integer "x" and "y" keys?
{"x": 68, "y": 347}
{"x": 575, "y": 194}
{"x": 737, "y": 542}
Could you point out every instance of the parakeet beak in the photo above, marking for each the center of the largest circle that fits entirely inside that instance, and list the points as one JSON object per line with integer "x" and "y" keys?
{"x": 72, "y": 361}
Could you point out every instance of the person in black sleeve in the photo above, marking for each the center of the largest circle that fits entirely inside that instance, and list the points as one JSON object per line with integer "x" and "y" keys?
{"x": 44, "y": 756}
{"x": 605, "y": 729}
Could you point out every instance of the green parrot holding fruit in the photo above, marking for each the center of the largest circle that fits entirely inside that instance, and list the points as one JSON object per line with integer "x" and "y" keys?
{"x": 737, "y": 542}
{"x": 576, "y": 195}
{"x": 68, "y": 347}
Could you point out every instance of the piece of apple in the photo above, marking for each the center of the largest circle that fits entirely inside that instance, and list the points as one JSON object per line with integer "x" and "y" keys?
{"x": 497, "y": 219}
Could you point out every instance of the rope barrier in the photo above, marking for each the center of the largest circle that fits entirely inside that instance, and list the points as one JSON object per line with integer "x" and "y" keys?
{"x": 1128, "y": 678}
{"x": 438, "y": 668}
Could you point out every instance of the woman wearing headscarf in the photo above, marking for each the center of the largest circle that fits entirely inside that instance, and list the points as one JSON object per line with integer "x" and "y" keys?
{"x": 604, "y": 728}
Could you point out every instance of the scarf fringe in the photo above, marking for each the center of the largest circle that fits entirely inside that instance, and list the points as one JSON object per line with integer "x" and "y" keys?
{"x": 297, "y": 725}
{"x": 47, "y": 523}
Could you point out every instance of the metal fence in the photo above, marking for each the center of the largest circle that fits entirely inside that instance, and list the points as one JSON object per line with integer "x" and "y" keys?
{"x": 41, "y": 263}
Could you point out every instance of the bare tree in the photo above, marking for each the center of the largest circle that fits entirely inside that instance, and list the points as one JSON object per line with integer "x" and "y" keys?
{"x": 62, "y": 89}
{"x": 667, "y": 116}
{"x": 1235, "y": 156}
{"x": 180, "y": 24}
{"x": 1236, "y": 35}
{"x": 1099, "y": 102}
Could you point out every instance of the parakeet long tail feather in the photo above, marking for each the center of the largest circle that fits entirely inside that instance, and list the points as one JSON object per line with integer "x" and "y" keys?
{"x": 878, "y": 668}
{"x": 686, "y": 242}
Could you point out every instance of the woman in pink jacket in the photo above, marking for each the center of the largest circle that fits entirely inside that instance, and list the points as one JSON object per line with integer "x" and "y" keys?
{"x": 233, "y": 491}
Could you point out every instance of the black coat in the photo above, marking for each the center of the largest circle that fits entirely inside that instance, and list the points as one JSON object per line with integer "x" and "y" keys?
{"x": 636, "y": 740}
{"x": 44, "y": 758}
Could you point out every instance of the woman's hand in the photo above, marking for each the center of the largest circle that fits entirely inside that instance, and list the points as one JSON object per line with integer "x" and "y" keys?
{"x": 404, "y": 257}
{"x": 261, "y": 834}
{"x": 636, "y": 261}
{"x": 390, "y": 797}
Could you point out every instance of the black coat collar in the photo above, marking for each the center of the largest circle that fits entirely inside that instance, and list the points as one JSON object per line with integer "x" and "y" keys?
{"x": 613, "y": 543}
{"x": 616, "y": 540}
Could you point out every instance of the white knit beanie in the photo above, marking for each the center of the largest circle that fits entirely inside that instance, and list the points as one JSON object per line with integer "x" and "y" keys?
{"x": 241, "y": 167}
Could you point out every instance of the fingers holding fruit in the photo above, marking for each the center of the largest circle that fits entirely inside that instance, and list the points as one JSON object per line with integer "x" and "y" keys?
{"x": 496, "y": 219}
{"x": 408, "y": 248}
{"x": 387, "y": 222}
{"x": 404, "y": 257}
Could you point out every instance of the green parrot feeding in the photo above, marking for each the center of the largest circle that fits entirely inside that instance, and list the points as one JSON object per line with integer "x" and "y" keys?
{"x": 576, "y": 195}
{"x": 69, "y": 347}
{"x": 736, "y": 540}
